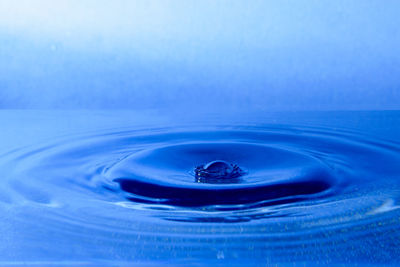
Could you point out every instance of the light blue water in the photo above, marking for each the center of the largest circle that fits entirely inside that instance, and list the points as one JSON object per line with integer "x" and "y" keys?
{"x": 119, "y": 187}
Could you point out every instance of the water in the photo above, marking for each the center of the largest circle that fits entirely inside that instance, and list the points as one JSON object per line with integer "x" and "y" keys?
{"x": 123, "y": 187}
{"x": 218, "y": 171}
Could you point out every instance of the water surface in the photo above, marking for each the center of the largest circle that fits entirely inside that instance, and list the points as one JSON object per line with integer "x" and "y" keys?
{"x": 120, "y": 187}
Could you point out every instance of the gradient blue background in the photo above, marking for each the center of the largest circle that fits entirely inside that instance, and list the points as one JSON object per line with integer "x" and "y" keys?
{"x": 200, "y": 55}
{"x": 166, "y": 64}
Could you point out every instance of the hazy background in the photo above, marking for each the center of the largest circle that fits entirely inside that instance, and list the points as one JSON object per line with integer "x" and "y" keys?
{"x": 200, "y": 55}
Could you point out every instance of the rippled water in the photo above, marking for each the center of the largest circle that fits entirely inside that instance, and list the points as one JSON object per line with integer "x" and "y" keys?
{"x": 121, "y": 188}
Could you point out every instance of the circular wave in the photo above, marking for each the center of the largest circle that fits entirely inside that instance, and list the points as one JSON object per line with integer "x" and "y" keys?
{"x": 282, "y": 166}
{"x": 165, "y": 175}
{"x": 296, "y": 182}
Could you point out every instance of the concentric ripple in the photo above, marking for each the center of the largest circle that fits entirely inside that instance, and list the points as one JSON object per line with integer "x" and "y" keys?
{"x": 295, "y": 181}
{"x": 165, "y": 174}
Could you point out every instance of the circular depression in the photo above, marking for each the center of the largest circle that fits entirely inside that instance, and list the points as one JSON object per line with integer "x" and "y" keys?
{"x": 165, "y": 174}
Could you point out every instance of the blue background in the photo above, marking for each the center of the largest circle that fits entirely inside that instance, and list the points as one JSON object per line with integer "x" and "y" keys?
{"x": 200, "y": 55}
{"x": 199, "y": 81}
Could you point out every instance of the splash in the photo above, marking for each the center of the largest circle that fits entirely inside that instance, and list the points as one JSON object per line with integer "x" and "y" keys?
{"x": 217, "y": 170}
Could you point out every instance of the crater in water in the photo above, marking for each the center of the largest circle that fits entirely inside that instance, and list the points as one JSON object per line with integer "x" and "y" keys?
{"x": 164, "y": 174}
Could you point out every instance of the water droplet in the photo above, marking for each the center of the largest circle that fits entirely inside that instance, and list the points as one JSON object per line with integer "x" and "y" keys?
{"x": 218, "y": 169}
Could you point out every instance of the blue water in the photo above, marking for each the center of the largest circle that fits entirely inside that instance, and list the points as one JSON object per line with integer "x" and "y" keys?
{"x": 120, "y": 188}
